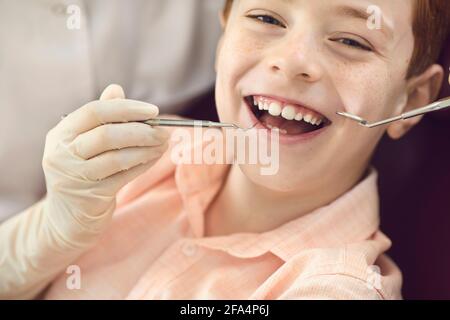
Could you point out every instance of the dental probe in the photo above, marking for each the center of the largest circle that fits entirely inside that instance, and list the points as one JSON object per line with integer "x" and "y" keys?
{"x": 435, "y": 106}
{"x": 187, "y": 123}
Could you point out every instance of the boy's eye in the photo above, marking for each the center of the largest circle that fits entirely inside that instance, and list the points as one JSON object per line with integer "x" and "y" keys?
{"x": 264, "y": 18}
{"x": 352, "y": 43}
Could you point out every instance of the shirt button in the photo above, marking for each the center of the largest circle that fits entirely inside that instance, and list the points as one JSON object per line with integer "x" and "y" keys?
{"x": 189, "y": 249}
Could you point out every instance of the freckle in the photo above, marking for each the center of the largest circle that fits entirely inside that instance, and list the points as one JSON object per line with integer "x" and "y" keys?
{"x": 246, "y": 45}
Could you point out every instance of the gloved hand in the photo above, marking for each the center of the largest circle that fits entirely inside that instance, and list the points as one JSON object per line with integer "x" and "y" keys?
{"x": 87, "y": 160}
{"x": 89, "y": 156}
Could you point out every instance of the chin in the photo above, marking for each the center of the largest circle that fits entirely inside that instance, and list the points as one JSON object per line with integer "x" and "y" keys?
{"x": 283, "y": 181}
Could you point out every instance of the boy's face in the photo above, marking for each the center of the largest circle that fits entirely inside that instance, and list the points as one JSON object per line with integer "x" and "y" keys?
{"x": 321, "y": 54}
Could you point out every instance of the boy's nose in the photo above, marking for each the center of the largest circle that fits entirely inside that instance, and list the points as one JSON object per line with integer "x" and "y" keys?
{"x": 295, "y": 60}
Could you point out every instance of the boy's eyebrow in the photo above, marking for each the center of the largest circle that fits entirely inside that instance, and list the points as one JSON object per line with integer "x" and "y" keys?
{"x": 357, "y": 13}
{"x": 352, "y": 12}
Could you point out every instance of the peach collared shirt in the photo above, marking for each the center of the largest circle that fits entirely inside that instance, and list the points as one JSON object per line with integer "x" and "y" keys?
{"x": 155, "y": 248}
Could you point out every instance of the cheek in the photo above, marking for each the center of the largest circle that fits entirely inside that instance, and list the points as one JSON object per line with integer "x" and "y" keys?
{"x": 241, "y": 50}
{"x": 246, "y": 45}
{"x": 370, "y": 91}
{"x": 236, "y": 58}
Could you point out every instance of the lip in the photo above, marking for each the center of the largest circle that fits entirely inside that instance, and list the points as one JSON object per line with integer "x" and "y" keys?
{"x": 284, "y": 138}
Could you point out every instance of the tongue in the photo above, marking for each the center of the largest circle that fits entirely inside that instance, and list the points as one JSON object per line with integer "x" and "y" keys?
{"x": 292, "y": 127}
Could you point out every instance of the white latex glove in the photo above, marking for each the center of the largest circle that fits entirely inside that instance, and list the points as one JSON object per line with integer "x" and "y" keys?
{"x": 89, "y": 156}
{"x": 87, "y": 160}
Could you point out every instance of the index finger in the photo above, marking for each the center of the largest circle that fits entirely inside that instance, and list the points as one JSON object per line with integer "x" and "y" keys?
{"x": 97, "y": 113}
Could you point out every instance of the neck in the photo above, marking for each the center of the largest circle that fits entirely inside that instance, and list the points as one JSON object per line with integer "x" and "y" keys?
{"x": 245, "y": 207}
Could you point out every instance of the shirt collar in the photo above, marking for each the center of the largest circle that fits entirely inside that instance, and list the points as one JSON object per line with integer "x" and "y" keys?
{"x": 327, "y": 226}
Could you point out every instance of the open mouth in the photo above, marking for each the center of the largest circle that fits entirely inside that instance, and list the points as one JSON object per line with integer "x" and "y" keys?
{"x": 289, "y": 119}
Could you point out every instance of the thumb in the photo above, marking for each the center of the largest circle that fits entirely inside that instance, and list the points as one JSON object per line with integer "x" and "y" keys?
{"x": 113, "y": 91}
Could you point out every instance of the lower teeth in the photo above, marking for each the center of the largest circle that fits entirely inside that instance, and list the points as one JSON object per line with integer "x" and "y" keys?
{"x": 282, "y": 131}
{"x": 284, "y": 126}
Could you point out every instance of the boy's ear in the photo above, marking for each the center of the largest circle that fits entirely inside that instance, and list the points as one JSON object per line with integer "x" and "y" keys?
{"x": 422, "y": 90}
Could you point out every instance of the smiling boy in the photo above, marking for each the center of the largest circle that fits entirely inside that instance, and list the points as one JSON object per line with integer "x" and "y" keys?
{"x": 312, "y": 230}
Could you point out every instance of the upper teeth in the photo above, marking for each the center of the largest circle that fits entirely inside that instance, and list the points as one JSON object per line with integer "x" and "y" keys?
{"x": 262, "y": 105}
{"x": 275, "y": 109}
{"x": 288, "y": 112}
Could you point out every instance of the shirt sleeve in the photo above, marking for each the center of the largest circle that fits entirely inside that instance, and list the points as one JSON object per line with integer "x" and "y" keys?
{"x": 331, "y": 287}
{"x": 34, "y": 249}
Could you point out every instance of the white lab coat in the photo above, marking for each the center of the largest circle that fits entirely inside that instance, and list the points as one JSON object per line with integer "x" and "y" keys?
{"x": 160, "y": 51}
